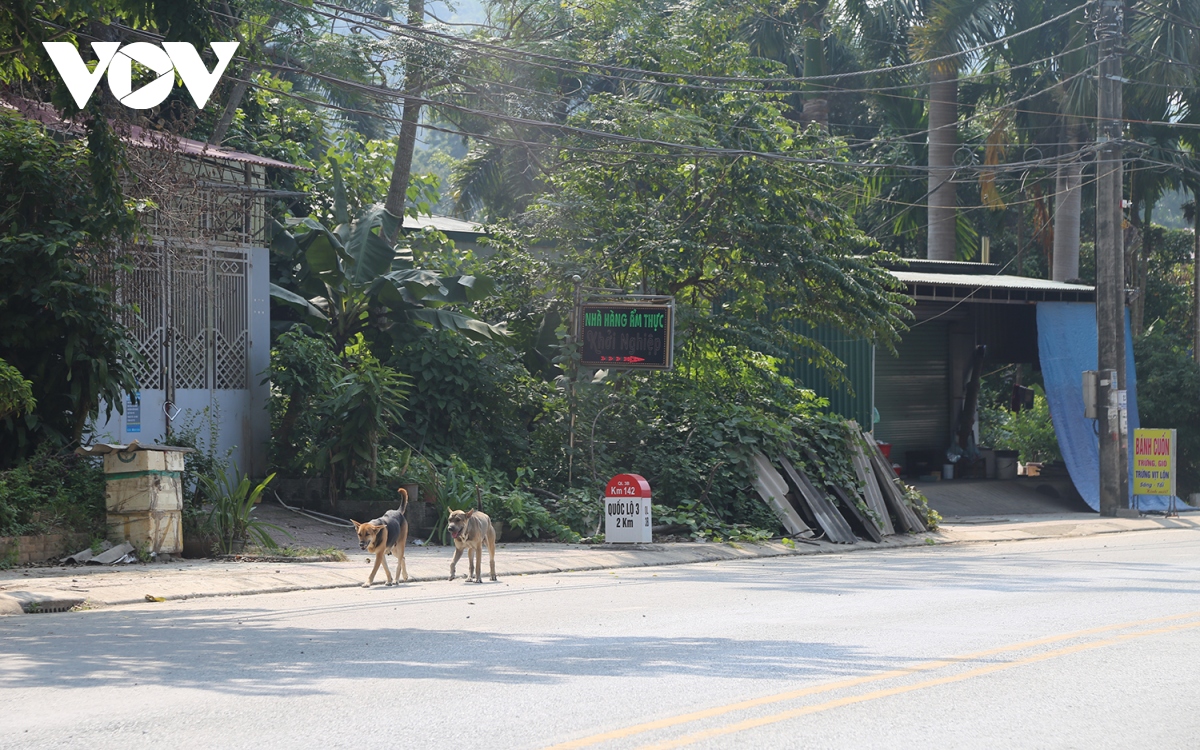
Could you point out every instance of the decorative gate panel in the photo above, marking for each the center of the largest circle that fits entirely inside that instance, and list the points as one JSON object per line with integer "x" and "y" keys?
{"x": 143, "y": 288}
{"x": 191, "y": 316}
{"x": 231, "y": 329}
{"x": 190, "y": 301}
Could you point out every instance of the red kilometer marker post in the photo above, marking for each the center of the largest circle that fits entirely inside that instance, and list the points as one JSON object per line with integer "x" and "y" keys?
{"x": 627, "y": 510}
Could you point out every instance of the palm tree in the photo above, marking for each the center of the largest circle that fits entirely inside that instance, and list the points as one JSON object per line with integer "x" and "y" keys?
{"x": 1165, "y": 47}
{"x": 934, "y": 29}
{"x": 941, "y": 28}
{"x": 1075, "y": 99}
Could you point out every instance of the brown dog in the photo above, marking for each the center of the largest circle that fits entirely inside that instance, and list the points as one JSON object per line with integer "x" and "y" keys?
{"x": 388, "y": 533}
{"x": 470, "y": 529}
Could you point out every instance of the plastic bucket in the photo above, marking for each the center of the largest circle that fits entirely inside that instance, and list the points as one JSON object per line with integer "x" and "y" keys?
{"x": 1006, "y": 464}
{"x": 947, "y": 471}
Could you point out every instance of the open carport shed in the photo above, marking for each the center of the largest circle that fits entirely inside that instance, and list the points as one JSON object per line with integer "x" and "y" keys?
{"x": 965, "y": 325}
{"x": 919, "y": 393}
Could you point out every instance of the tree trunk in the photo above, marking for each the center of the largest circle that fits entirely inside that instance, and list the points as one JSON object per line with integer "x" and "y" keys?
{"x": 407, "y": 140}
{"x": 1069, "y": 206}
{"x": 239, "y": 88}
{"x": 296, "y": 403}
{"x": 943, "y": 140}
{"x": 1020, "y": 263}
{"x": 1196, "y": 275}
{"x": 231, "y": 106}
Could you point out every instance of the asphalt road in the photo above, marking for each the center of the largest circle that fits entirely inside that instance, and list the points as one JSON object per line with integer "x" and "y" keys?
{"x": 1091, "y": 642}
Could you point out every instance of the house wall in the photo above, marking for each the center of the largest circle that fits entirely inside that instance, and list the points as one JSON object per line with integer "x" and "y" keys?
{"x": 219, "y": 390}
{"x": 200, "y": 294}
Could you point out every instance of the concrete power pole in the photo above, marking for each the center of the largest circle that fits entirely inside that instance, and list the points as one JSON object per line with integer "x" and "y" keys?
{"x": 1110, "y": 265}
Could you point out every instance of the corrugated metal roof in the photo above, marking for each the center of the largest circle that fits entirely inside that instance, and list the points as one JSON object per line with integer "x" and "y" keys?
{"x": 989, "y": 282}
{"x": 150, "y": 139}
{"x": 137, "y": 136}
{"x": 925, "y": 265}
{"x": 443, "y": 223}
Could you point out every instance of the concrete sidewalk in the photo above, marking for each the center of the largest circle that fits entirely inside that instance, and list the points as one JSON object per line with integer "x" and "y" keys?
{"x": 61, "y": 588}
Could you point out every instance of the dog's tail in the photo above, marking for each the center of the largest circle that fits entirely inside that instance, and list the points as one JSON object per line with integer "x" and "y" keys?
{"x": 478, "y": 499}
{"x": 403, "y": 500}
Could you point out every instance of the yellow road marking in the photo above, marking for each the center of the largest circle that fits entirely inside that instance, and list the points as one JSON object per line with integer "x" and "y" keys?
{"x": 709, "y": 713}
{"x": 806, "y": 710}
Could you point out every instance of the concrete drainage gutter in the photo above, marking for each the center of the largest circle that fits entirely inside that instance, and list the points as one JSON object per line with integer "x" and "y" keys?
{"x": 35, "y": 602}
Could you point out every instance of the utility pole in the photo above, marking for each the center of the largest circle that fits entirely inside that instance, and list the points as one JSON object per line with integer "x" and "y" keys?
{"x": 1110, "y": 265}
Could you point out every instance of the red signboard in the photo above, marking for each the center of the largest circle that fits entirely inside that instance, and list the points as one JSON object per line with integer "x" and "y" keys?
{"x": 628, "y": 485}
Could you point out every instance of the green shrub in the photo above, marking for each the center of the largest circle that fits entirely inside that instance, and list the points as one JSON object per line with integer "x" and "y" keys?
{"x": 1168, "y": 384}
{"x": 60, "y": 206}
{"x": 698, "y": 522}
{"x": 16, "y": 393}
{"x": 474, "y": 399}
{"x": 52, "y": 490}
{"x": 231, "y": 518}
{"x": 330, "y": 413}
{"x": 1029, "y": 431}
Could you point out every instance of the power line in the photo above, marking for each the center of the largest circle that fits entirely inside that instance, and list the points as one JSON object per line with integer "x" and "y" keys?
{"x": 844, "y": 190}
{"x": 414, "y": 31}
{"x": 458, "y": 42}
{"x": 379, "y": 91}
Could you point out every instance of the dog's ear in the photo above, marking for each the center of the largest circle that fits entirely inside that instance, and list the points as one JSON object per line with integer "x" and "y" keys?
{"x": 356, "y": 523}
{"x": 469, "y": 513}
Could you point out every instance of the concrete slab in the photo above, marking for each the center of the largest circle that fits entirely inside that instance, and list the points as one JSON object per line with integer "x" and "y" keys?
{"x": 963, "y": 498}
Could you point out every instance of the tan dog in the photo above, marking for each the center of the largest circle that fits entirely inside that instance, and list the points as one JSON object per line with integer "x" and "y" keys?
{"x": 470, "y": 529}
{"x": 388, "y": 533}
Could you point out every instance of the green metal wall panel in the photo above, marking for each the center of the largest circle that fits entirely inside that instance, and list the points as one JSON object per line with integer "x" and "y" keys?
{"x": 853, "y": 400}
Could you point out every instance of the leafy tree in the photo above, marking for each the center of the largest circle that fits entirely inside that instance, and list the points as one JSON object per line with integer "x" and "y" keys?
{"x": 304, "y": 368}
{"x": 744, "y": 244}
{"x": 1169, "y": 284}
{"x": 355, "y": 280}
{"x": 60, "y": 207}
{"x": 26, "y": 24}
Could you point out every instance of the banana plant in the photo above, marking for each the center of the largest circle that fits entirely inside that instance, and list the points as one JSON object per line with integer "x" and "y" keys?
{"x": 355, "y": 276}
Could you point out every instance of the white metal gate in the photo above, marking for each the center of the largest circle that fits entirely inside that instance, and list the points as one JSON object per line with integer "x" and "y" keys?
{"x": 190, "y": 317}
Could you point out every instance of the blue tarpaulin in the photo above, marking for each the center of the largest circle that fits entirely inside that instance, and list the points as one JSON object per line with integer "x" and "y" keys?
{"x": 1067, "y": 348}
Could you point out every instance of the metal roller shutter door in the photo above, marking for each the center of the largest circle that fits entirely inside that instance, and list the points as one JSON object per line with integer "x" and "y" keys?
{"x": 912, "y": 392}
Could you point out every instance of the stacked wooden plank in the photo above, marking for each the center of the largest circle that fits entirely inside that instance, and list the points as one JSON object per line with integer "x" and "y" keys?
{"x": 773, "y": 490}
{"x": 874, "y": 509}
{"x": 870, "y": 489}
{"x": 890, "y": 486}
{"x": 806, "y": 494}
{"x": 848, "y": 504}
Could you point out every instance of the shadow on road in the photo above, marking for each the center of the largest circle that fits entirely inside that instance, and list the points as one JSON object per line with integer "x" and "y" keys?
{"x": 269, "y": 650}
